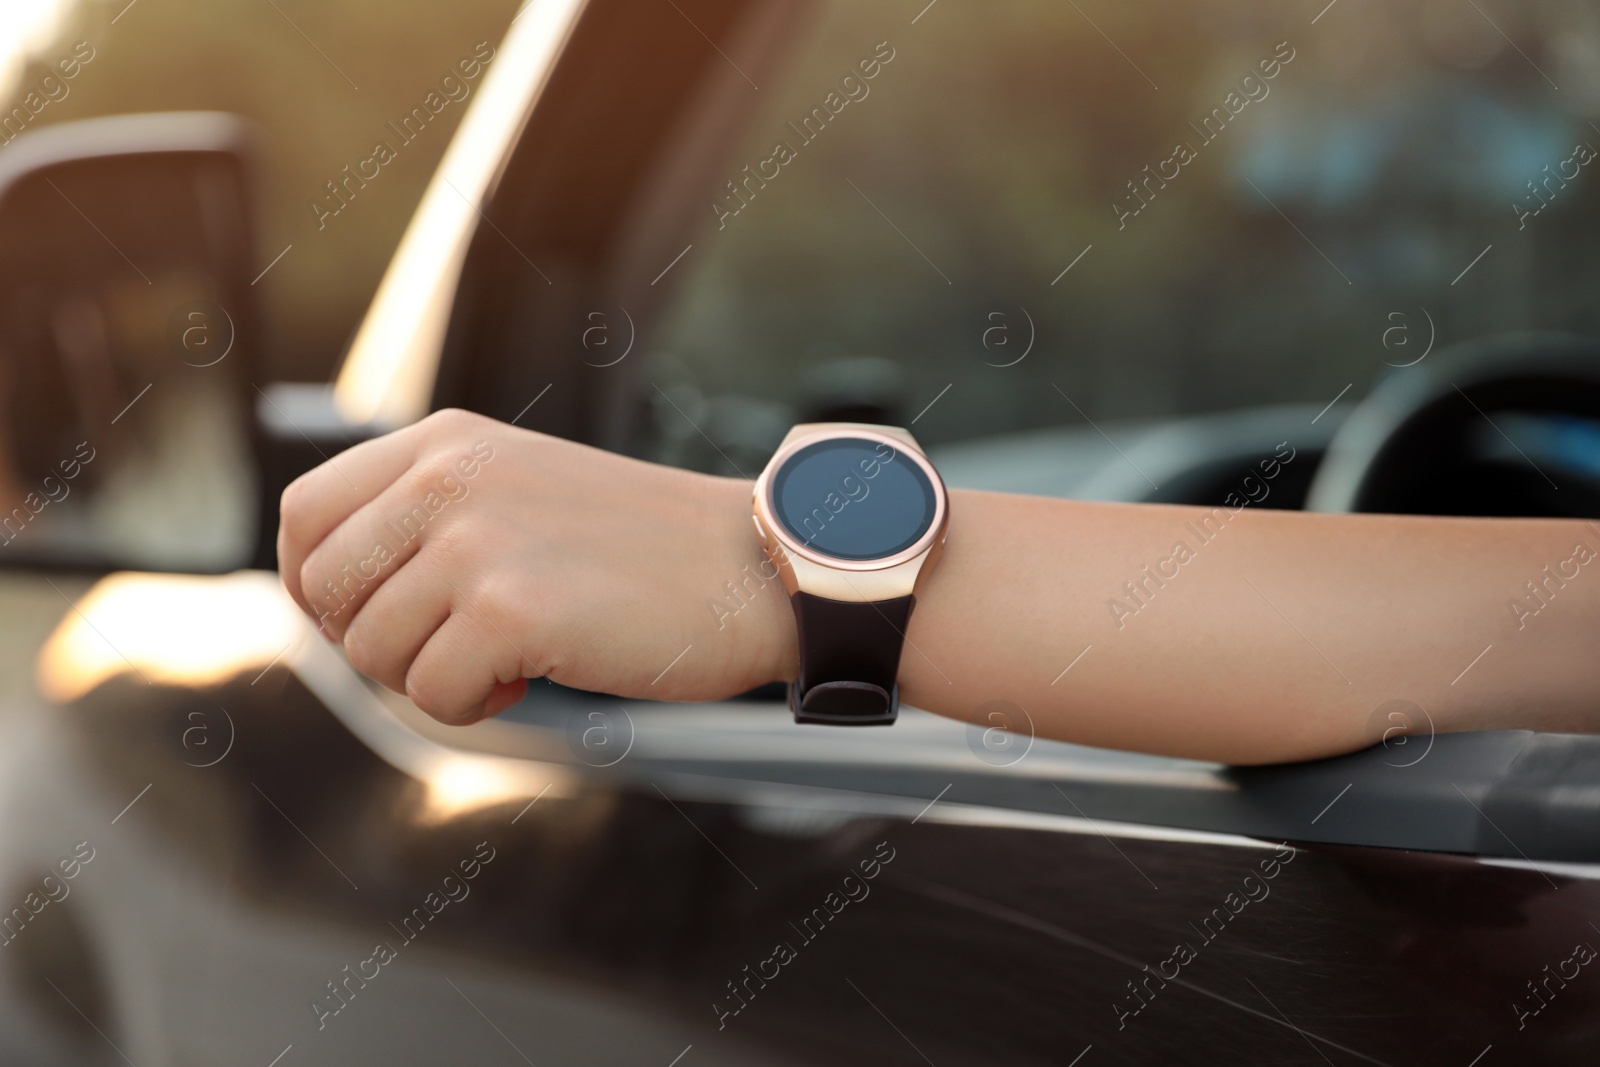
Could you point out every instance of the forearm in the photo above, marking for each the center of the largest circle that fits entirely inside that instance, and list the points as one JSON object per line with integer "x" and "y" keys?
{"x": 1253, "y": 635}
{"x": 456, "y": 557}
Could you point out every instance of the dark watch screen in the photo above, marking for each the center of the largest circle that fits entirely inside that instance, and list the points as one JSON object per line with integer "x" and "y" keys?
{"x": 853, "y": 499}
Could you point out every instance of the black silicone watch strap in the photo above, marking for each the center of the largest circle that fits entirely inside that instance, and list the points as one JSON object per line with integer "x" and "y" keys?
{"x": 849, "y": 659}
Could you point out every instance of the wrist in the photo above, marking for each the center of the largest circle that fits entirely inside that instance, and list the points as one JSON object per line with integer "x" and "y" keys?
{"x": 755, "y": 618}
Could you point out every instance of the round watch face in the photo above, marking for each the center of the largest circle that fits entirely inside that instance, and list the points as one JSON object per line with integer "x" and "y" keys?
{"x": 853, "y": 498}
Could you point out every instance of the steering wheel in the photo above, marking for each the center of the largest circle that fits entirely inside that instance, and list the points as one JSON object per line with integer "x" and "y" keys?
{"x": 1508, "y": 426}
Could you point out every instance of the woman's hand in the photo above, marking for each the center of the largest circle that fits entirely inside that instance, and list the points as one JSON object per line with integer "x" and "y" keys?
{"x": 459, "y": 556}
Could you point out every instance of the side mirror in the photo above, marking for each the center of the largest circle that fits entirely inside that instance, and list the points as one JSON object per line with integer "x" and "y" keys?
{"x": 126, "y": 345}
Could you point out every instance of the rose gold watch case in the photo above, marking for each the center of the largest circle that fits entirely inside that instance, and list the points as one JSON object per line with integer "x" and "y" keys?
{"x": 856, "y": 581}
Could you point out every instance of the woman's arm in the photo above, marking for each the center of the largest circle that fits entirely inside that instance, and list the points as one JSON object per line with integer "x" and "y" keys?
{"x": 1279, "y": 637}
{"x": 460, "y": 555}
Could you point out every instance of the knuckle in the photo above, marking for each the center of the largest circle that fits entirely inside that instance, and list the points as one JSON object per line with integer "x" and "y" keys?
{"x": 431, "y": 468}
{"x": 449, "y": 421}
{"x": 359, "y": 650}
{"x": 417, "y": 692}
{"x": 292, "y": 501}
{"x": 289, "y": 576}
{"x": 320, "y": 592}
{"x": 309, "y": 573}
{"x": 450, "y": 549}
{"x": 425, "y": 475}
{"x": 426, "y": 696}
{"x": 500, "y": 603}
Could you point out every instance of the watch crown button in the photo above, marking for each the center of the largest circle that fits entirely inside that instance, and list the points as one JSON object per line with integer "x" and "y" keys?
{"x": 760, "y": 533}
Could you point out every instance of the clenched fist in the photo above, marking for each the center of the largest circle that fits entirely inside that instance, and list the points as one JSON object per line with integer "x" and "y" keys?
{"x": 460, "y": 556}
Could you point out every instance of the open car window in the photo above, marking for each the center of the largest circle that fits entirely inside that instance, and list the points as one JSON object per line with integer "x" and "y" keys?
{"x": 948, "y": 223}
{"x": 1018, "y": 216}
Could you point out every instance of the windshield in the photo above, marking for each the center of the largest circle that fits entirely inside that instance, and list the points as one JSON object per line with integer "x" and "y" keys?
{"x": 1002, "y": 216}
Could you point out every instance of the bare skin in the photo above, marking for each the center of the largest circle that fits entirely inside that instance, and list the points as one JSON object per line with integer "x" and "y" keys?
{"x": 1278, "y": 636}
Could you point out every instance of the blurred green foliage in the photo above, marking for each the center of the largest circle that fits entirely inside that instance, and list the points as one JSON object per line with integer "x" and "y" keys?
{"x": 248, "y": 57}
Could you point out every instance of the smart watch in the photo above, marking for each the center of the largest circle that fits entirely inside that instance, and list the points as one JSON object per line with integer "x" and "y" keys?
{"x": 853, "y": 517}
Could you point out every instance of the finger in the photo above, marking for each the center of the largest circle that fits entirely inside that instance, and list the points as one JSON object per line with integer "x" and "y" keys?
{"x": 396, "y": 621}
{"x": 459, "y": 668}
{"x": 315, "y": 503}
{"x": 359, "y": 555}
